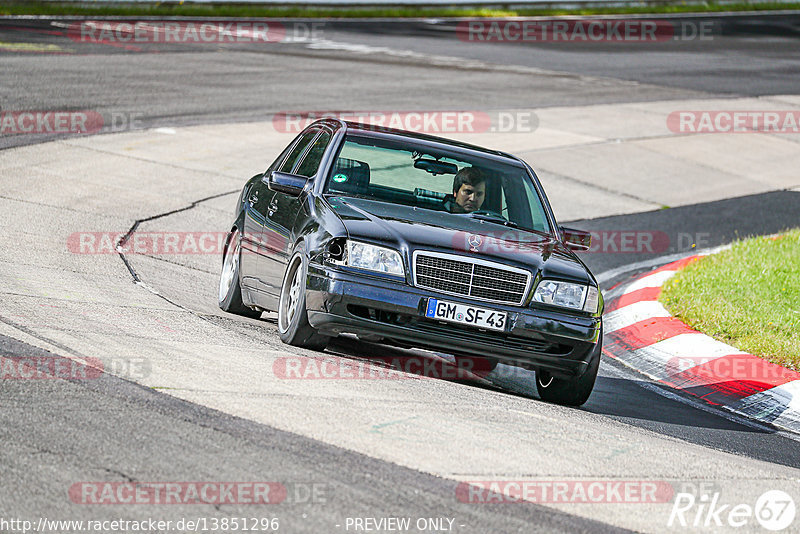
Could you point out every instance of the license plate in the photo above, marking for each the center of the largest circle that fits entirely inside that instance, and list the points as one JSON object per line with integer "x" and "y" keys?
{"x": 463, "y": 314}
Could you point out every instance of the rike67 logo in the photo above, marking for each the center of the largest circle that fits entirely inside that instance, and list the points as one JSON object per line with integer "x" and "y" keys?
{"x": 774, "y": 510}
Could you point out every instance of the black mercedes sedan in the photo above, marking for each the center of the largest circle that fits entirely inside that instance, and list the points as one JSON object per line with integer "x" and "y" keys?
{"x": 417, "y": 241}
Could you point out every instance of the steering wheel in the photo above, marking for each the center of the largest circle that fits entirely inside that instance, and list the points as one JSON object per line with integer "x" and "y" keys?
{"x": 489, "y": 212}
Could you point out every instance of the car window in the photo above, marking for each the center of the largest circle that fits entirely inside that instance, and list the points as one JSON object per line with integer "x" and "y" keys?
{"x": 538, "y": 217}
{"x": 313, "y": 158}
{"x": 280, "y": 158}
{"x": 298, "y": 150}
{"x": 403, "y": 172}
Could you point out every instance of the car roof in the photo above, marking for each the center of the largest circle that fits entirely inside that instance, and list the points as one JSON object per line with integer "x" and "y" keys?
{"x": 371, "y": 130}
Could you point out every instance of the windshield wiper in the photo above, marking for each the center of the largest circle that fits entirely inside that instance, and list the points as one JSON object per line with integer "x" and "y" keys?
{"x": 498, "y": 220}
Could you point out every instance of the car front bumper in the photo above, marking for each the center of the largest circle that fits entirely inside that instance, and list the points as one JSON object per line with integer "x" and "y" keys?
{"x": 341, "y": 301}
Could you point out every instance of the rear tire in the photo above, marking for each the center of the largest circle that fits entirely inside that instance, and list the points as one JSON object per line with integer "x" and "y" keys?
{"x": 570, "y": 391}
{"x": 293, "y": 326}
{"x": 230, "y": 289}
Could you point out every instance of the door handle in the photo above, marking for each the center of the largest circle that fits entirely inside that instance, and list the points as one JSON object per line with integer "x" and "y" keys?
{"x": 253, "y": 197}
{"x": 273, "y": 206}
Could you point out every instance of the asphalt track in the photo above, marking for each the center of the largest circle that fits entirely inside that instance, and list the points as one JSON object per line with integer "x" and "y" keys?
{"x": 376, "y": 449}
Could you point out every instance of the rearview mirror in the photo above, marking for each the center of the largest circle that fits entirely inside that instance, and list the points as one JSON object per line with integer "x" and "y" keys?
{"x": 435, "y": 167}
{"x": 291, "y": 184}
{"x": 577, "y": 240}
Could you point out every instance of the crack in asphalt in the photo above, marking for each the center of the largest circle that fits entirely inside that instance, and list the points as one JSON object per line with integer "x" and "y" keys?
{"x": 137, "y": 279}
{"x": 124, "y": 239}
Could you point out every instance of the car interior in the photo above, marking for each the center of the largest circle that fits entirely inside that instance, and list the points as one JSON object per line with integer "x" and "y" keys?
{"x": 506, "y": 195}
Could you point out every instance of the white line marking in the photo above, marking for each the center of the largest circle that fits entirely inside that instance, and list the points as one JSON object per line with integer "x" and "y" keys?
{"x": 676, "y": 354}
{"x": 633, "y": 313}
{"x": 656, "y": 279}
{"x": 458, "y": 62}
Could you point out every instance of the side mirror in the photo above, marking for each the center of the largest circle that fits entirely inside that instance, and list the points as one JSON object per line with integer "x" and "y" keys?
{"x": 283, "y": 182}
{"x": 577, "y": 240}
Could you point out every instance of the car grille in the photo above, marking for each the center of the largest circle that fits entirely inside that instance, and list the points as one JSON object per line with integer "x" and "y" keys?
{"x": 475, "y": 280}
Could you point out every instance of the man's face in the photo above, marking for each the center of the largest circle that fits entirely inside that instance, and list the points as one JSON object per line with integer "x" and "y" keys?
{"x": 470, "y": 197}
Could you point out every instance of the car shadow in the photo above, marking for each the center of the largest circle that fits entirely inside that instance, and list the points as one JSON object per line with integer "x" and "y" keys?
{"x": 627, "y": 400}
{"x": 634, "y": 400}
{"x": 622, "y": 398}
{"x": 424, "y": 364}
{"x": 630, "y": 402}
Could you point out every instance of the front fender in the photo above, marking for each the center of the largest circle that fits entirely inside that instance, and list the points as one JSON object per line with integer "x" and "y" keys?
{"x": 316, "y": 226}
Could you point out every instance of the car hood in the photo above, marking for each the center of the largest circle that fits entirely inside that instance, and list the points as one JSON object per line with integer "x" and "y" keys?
{"x": 408, "y": 229}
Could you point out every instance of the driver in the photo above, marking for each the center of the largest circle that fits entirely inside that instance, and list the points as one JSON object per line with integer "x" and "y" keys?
{"x": 469, "y": 191}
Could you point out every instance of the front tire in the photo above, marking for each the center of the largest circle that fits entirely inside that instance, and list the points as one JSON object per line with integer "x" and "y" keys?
{"x": 293, "y": 326}
{"x": 230, "y": 289}
{"x": 570, "y": 391}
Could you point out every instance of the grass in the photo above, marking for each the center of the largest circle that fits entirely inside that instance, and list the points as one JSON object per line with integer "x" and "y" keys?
{"x": 221, "y": 9}
{"x": 748, "y": 297}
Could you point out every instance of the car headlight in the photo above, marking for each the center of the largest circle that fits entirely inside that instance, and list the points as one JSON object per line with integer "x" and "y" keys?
{"x": 374, "y": 258}
{"x": 567, "y": 295}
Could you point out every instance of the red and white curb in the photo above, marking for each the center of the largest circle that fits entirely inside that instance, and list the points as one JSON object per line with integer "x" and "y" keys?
{"x": 642, "y": 334}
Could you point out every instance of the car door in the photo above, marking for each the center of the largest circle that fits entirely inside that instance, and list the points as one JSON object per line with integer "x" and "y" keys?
{"x": 255, "y": 209}
{"x": 271, "y": 243}
{"x": 284, "y": 209}
{"x": 254, "y": 248}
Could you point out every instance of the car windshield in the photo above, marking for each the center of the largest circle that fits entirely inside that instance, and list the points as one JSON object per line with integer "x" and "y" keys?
{"x": 405, "y": 173}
